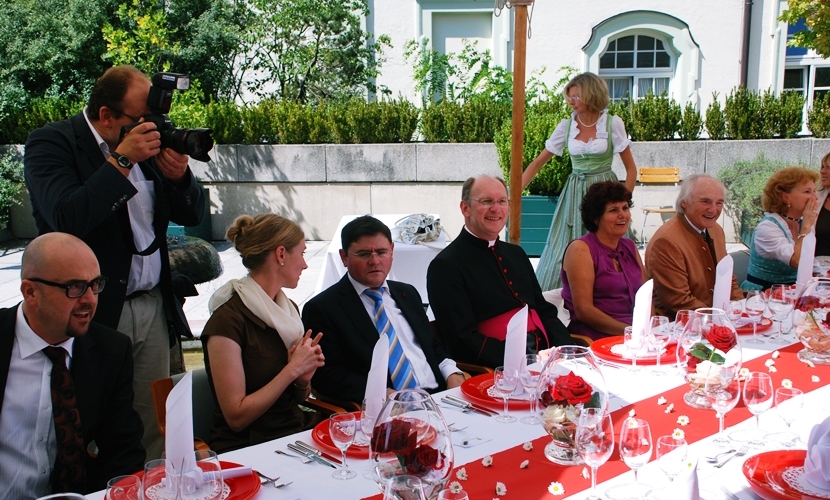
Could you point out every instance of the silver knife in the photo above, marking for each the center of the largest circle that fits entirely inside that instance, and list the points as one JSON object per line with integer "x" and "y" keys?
{"x": 320, "y": 460}
{"x": 466, "y": 404}
{"x": 317, "y": 452}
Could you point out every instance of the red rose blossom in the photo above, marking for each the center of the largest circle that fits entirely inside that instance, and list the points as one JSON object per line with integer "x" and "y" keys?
{"x": 395, "y": 436}
{"x": 571, "y": 388}
{"x": 721, "y": 337}
{"x": 422, "y": 459}
{"x": 808, "y": 303}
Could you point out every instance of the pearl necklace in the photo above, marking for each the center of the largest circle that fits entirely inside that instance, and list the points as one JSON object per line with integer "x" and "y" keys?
{"x": 790, "y": 218}
{"x": 585, "y": 124}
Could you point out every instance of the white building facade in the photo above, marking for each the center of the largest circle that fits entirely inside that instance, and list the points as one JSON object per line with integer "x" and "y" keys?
{"x": 688, "y": 48}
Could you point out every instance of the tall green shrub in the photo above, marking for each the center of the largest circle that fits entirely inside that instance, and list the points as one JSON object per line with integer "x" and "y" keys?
{"x": 11, "y": 183}
{"x": 715, "y": 119}
{"x": 654, "y": 118}
{"x": 744, "y": 119}
{"x": 476, "y": 120}
{"x": 691, "y": 124}
{"x": 818, "y": 116}
{"x": 296, "y": 123}
{"x": 225, "y": 119}
{"x": 791, "y": 114}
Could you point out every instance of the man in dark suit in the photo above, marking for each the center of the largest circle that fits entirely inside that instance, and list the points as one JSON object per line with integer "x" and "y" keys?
{"x": 479, "y": 282}
{"x": 346, "y": 314}
{"x": 118, "y": 195}
{"x": 60, "y": 283}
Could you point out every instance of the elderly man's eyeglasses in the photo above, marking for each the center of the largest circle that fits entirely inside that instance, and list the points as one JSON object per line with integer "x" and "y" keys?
{"x": 367, "y": 254}
{"x": 77, "y": 288}
{"x": 489, "y": 202}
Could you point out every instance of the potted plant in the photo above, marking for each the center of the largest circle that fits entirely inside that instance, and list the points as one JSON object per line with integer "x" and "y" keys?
{"x": 540, "y": 198}
{"x": 744, "y": 182}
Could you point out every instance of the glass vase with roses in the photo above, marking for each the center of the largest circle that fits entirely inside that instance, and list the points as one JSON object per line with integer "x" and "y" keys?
{"x": 708, "y": 354}
{"x": 411, "y": 437}
{"x": 811, "y": 321}
{"x": 569, "y": 382}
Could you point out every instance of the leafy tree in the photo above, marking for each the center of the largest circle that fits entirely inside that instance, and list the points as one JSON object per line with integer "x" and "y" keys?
{"x": 310, "y": 50}
{"x": 816, "y": 14}
{"x": 51, "y": 44}
{"x": 141, "y": 37}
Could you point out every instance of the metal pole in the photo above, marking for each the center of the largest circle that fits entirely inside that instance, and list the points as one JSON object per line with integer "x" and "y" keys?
{"x": 517, "y": 148}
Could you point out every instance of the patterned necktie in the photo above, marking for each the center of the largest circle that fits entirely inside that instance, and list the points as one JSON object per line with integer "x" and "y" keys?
{"x": 399, "y": 367}
{"x": 69, "y": 473}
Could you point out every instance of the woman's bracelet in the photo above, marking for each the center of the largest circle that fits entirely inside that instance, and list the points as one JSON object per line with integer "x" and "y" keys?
{"x": 302, "y": 388}
{"x": 801, "y": 235}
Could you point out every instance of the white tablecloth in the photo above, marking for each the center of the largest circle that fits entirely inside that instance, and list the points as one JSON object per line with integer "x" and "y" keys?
{"x": 409, "y": 265}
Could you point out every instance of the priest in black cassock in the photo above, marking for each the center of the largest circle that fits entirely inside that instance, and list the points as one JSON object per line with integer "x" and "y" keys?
{"x": 479, "y": 282}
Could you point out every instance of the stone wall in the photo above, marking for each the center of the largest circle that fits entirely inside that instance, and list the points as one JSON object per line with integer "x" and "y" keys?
{"x": 317, "y": 184}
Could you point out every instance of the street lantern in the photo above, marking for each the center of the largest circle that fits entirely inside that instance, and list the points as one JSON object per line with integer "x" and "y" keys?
{"x": 521, "y": 19}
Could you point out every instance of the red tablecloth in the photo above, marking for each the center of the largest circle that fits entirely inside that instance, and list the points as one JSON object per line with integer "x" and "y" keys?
{"x": 532, "y": 482}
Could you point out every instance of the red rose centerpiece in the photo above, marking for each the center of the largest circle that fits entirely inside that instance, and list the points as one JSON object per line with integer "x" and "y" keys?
{"x": 570, "y": 381}
{"x": 811, "y": 321}
{"x": 411, "y": 437}
{"x": 709, "y": 354}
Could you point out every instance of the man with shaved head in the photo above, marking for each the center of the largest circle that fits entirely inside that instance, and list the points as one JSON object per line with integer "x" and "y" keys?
{"x": 479, "y": 282}
{"x": 683, "y": 255}
{"x": 64, "y": 380}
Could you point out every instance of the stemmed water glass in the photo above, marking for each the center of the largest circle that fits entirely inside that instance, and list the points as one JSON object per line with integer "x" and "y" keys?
{"x": 124, "y": 488}
{"x": 734, "y": 311}
{"x": 633, "y": 343}
{"x": 755, "y": 306}
{"x": 723, "y": 398}
{"x": 529, "y": 380}
{"x": 505, "y": 382}
{"x": 342, "y": 427}
{"x": 635, "y": 451}
{"x": 781, "y": 305}
{"x": 659, "y": 337}
{"x": 369, "y": 411}
{"x": 404, "y": 487}
{"x": 594, "y": 441}
{"x": 789, "y": 403}
{"x": 671, "y": 455}
{"x": 758, "y": 398}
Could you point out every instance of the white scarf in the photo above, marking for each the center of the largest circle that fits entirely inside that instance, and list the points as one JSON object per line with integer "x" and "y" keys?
{"x": 279, "y": 314}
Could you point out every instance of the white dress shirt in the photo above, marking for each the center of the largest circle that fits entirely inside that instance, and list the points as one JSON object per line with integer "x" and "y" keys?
{"x": 145, "y": 272}
{"x": 411, "y": 349}
{"x": 619, "y": 139}
{"x": 771, "y": 243}
{"x": 27, "y": 447}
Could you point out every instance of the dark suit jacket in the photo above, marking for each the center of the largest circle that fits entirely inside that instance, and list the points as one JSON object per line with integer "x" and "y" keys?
{"x": 75, "y": 190}
{"x": 349, "y": 336}
{"x": 102, "y": 370}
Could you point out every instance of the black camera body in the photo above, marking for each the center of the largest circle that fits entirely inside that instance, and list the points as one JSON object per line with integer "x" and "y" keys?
{"x": 195, "y": 142}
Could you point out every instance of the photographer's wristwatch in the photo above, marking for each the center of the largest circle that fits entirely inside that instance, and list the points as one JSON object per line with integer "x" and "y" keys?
{"x": 122, "y": 160}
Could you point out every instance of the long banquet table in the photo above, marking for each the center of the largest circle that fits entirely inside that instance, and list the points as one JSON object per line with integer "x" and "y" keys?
{"x": 628, "y": 390}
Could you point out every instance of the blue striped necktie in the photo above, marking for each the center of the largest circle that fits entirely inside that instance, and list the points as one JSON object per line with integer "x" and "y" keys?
{"x": 399, "y": 367}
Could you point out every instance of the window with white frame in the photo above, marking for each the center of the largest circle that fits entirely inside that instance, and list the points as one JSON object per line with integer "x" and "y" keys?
{"x": 806, "y": 72}
{"x": 634, "y": 65}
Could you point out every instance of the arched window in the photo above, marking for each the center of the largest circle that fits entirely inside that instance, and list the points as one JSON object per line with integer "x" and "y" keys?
{"x": 633, "y": 65}
{"x": 642, "y": 50}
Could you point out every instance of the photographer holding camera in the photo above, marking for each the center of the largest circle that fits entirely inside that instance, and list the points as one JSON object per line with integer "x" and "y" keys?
{"x": 105, "y": 176}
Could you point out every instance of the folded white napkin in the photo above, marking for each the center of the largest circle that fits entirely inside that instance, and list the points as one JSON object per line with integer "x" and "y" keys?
{"x": 642, "y": 308}
{"x": 178, "y": 436}
{"x": 805, "y": 263}
{"x": 817, "y": 464}
{"x": 515, "y": 343}
{"x": 378, "y": 373}
{"x": 723, "y": 283}
{"x": 685, "y": 486}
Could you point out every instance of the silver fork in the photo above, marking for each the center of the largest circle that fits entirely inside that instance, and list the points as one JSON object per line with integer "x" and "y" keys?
{"x": 304, "y": 460}
{"x": 282, "y": 485}
{"x": 266, "y": 478}
{"x": 452, "y": 428}
{"x": 743, "y": 451}
{"x": 729, "y": 494}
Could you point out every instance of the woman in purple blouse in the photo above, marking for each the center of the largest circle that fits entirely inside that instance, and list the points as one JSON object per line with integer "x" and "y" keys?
{"x": 602, "y": 270}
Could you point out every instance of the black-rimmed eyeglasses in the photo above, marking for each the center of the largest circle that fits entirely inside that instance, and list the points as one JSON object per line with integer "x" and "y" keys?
{"x": 76, "y": 289}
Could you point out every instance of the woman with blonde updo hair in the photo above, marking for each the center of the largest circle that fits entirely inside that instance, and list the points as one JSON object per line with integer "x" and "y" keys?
{"x": 259, "y": 361}
{"x": 791, "y": 208}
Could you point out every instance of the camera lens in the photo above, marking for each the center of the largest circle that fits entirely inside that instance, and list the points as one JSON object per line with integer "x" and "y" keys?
{"x": 193, "y": 142}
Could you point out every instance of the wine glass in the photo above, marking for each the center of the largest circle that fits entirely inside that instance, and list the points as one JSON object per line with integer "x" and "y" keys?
{"x": 680, "y": 319}
{"x": 124, "y": 488}
{"x": 789, "y": 403}
{"x": 404, "y": 487}
{"x": 594, "y": 441}
{"x": 204, "y": 481}
{"x": 635, "y": 451}
{"x": 734, "y": 311}
{"x": 505, "y": 382}
{"x": 369, "y": 410}
{"x": 659, "y": 337}
{"x": 529, "y": 380}
{"x": 723, "y": 398}
{"x": 453, "y": 495}
{"x": 155, "y": 482}
{"x": 755, "y": 305}
{"x": 342, "y": 427}
{"x": 633, "y": 343}
{"x": 671, "y": 455}
{"x": 758, "y": 398}
{"x": 780, "y": 305}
